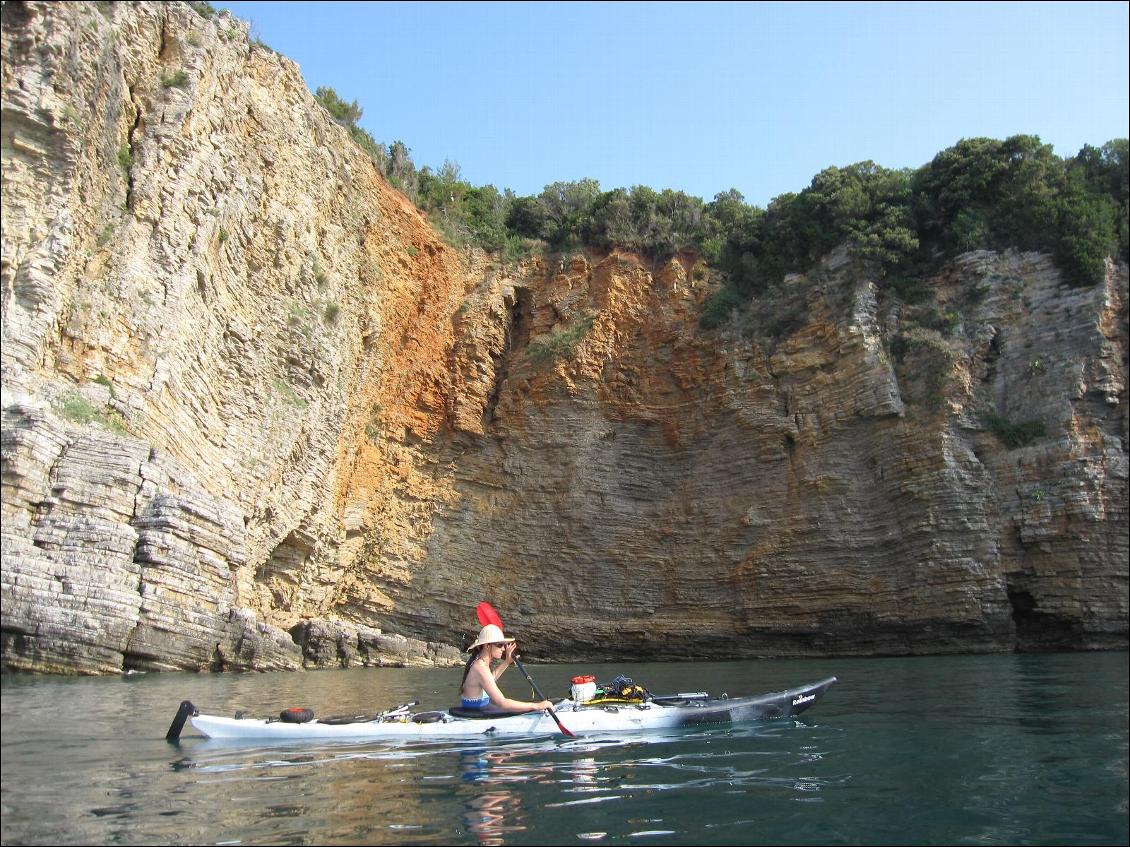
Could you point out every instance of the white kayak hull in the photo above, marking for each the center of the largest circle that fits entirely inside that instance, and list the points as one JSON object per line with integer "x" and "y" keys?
{"x": 655, "y": 714}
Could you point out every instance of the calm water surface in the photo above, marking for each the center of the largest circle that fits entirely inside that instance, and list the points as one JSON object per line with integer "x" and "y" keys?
{"x": 951, "y": 750}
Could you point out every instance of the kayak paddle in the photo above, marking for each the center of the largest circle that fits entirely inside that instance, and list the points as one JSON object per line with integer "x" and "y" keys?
{"x": 487, "y": 615}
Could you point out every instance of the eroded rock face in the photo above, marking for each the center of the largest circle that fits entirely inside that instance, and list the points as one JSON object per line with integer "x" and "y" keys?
{"x": 257, "y": 415}
{"x": 666, "y": 492}
{"x": 208, "y": 294}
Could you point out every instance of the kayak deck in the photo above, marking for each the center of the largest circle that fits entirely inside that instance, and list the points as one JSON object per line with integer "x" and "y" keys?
{"x": 402, "y": 724}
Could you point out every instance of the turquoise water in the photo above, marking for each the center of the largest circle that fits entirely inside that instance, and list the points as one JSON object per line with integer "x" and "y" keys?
{"x": 1008, "y": 749}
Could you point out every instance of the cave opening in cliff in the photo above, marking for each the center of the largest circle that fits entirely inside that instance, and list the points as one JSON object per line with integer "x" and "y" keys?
{"x": 282, "y": 572}
{"x": 518, "y": 320}
{"x": 1038, "y": 630}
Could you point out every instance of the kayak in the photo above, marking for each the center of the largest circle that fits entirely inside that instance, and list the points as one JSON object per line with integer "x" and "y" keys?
{"x": 653, "y": 712}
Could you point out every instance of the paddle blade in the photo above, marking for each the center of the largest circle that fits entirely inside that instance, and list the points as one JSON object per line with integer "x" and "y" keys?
{"x": 487, "y": 615}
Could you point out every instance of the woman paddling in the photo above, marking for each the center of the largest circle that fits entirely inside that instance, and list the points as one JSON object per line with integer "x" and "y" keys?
{"x": 479, "y": 688}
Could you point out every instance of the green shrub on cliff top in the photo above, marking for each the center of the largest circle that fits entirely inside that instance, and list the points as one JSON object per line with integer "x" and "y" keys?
{"x": 985, "y": 193}
{"x": 981, "y": 193}
{"x": 346, "y": 114}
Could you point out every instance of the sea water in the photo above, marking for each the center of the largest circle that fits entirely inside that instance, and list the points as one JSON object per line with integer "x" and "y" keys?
{"x": 1000, "y": 749}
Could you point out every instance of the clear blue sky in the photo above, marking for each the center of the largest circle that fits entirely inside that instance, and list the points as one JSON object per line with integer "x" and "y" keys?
{"x": 702, "y": 97}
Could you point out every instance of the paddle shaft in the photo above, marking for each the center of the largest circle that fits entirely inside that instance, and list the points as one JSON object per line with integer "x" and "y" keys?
{"x": 541, "y": 696}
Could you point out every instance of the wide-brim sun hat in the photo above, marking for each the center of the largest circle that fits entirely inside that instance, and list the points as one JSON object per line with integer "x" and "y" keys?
{"x": 490, "y": 634}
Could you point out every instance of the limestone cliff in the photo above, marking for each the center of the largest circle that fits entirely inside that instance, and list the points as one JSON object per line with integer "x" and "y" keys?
{"x": 257, "y": 414}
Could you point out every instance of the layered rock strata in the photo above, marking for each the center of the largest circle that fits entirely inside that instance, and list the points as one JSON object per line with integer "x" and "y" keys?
{"x": 202, "y": 280}
{"x": 667, "y": 492}
{"x": 257, "y": 414}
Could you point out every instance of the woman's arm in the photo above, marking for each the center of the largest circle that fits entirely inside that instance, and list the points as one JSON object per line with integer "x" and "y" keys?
{"x": 501, "y": 701}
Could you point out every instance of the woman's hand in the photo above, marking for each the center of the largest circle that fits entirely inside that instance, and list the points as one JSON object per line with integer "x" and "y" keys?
{"x": 509, "y": 650}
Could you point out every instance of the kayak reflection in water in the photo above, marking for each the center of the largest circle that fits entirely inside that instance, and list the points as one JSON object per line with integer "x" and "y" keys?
{"x": 479, "y": 689}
